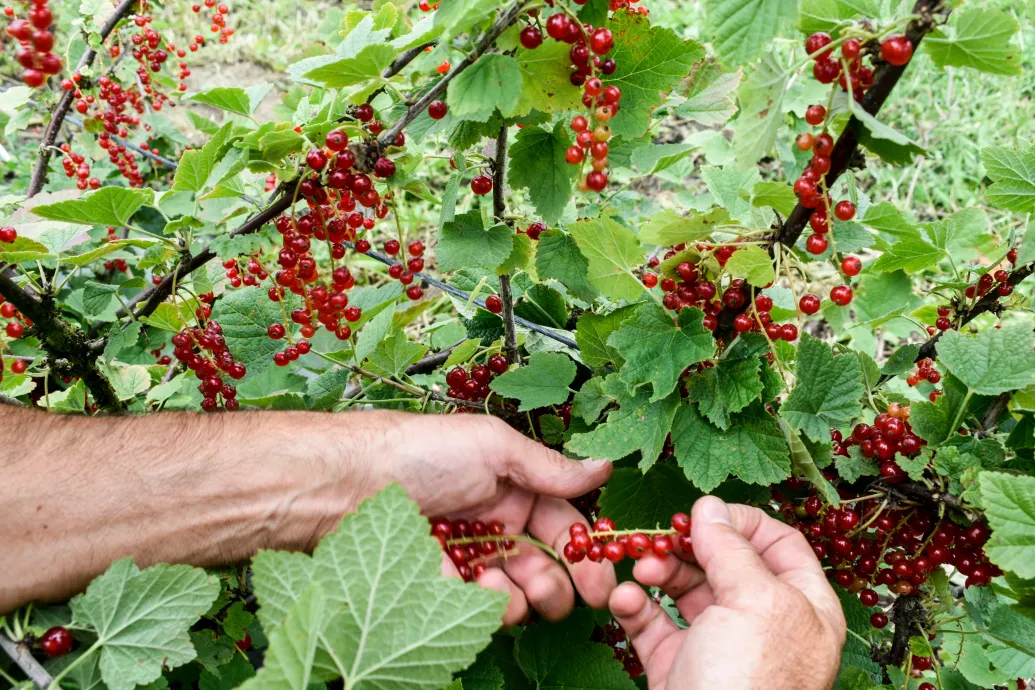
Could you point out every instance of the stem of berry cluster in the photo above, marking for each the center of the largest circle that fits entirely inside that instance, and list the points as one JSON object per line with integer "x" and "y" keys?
{"x": 847, "y": 145}
{"x": 517, "y": 538}
{"x": 39, "y": 172}
{"x": 499, "y": 209}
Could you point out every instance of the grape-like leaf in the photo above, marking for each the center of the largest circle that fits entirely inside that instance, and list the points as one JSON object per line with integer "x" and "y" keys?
{"x": 668, "y": 226}
{"x": 656, "y": 350}
{"x": 1009, "y": 502}
{"x": 741, "y": 29}
{"x": 612, "y": 252}
{"x": 761, "y": 110}
{"x": 537, "y": 163}
{"x": 293, "y": 645}
{"x": 731, "y": 385}
{"x": 980, "y": 39}
{"x": 234, "y": 99}
{"x": 465, "y": 243}
{"x": 245, "y": 315}
{"x": 492, "y": 83}
{"x": 753, "y": 264}
{"x": 826, "y": 394}
{"x": 394, "y": 354}
{"x": 651, "y": 60}
{"x": 142, "y": 617}
{"x": 559, "y": 656}
{"x": 1013, "y": 172}
{"x": 558, "y": 257}
{"x": 994, "y": 361}
{"x": 710, "y": 97}
{"x": 637, "y": 500}
{"x": 106, "y": 206}
{"x": 637, "y": 425}
{"x": 196, "y": 165}
{"x": 543, "y": 381}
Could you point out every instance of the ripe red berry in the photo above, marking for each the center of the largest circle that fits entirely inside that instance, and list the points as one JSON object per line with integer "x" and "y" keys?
{"x": 809, "y": 304}
{"x": 316, "y": 159}
{"x": 845, "y": 210}
{"x": 494, "y": 304}
{"x": 851, "y": 48}
{"x": 601, "y": 41}
{"x": 824, "y": 145}
{"x": 14, "y": 330}
{"x": 437, "y": 110}
{"x": 851, "y": 265}
{"x": 816, "y": 244}
{"x": 498, "y": 364}
{"x": 650, "y": 280}
{"x": 815, "y": 114}
{"x": 336, "y": 140}
{"x": 365, "y": 112}
{"x": 841, "y": 295}
{"x": 8, "y": 234}
{"x": 481, "y": 184}
{"x": 817, "y": 42}
{"x": 896, "y": 50}
{"x": 613, "y": 550}
{"x": 879, "y": 620}
{"x": 531, "y": 38}
{"x": 681, "y": 523}
{"x": 805, "y": 142}
{"x": 57, "y": 641}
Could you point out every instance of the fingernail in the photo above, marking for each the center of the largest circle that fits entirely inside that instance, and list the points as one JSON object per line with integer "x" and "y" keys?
{"x": 592, "y": 465}
{"x": 714, "y": 511}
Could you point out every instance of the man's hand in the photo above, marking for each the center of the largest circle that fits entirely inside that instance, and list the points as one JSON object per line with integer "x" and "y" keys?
{"x": 761, "y": 612}
{"x": 477, "y": 467}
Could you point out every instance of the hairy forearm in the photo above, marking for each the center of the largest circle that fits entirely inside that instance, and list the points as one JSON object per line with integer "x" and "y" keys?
{"x": 78, "y": 493}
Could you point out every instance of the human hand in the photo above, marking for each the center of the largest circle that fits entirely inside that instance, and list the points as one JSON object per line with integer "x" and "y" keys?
{"x": 478, "y": 468}
{"x": 761, "y": 612}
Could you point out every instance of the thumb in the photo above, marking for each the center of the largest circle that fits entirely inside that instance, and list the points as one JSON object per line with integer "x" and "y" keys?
{"x": 532, "y": 466}
{"x": 733, "y": 566}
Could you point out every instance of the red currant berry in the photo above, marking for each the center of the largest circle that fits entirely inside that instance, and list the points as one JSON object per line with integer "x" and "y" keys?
{"x": 437, "y": 110}
{"x": 494, "y": 304}
{"x": 896, "y": 50}
{"x": 809, "y": 304}
{"x": 851, "y": 265}
{"x": 841, "y": 295}
{"x": 57, "y": 641}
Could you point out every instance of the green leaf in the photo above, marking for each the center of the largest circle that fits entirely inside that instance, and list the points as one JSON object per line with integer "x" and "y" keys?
{"x": 731, "y": 385}
{"x": 545, "y": 80}
{"x": 753, "y": 449}
{"x": 537, "y": 164}
{"x": 651, "y": 61}
{"x": 935, "y": 422}
{"x": 634, "y": 499}
{"x": 753, "y": 264}
{"x": 292, "y": 650}
{"x": 778, "y": 196}
{"x": 1009, "y": 502}
{"x": 827, "y": 390}
{"x": 1025, "y": 253}
{"x": 543, "y": 305}
{"x": 166, "y": 317}
{"x": 280, "y": 143}
{"x": 993, "y": 361}
{"x": 326, "y": 389}
{"x": 97, "y": 297}
{"x": 855, "y": 466}
{"x": 826, "y": 15}
{"x": 592, "y": 332}
{"x": 668, "y": 226}
{"x": 106, "y": 206}
{"x": 901, "y": 360}
{"x": 741, "y": 29}
{"x": 455, "y": 17}
{"x": 637, "y": 425}
{"x": 22, "y": 250}
{"x": 492, "y": 83}
{"x": 233, "y": 99}
{"x": 560, "y": 656}
{"x": 142, "y": 617}
{"x": 466, "y": 244}
{"x": 727, "y": 183}
{"x": 520, "y": 255}
{"x": 245, "y": 314}
{"x": 805, "y": 465}
{"x": 951, "y": 464}
{"x": 710, "y": 97}
{"x": 612, "y": 252}
{"x": 656, "y": 350}
{"x": 557, "y": 257}
{"x": 590, "y": 401}
{"x": 909, "y": 255}
{"x": 121, "y": 338}
{"x": 761, "y": 111}
{"x": 394, "y": 354}
{"x": 891, "y": 145}
{"x": 365, "y": 64}
{"x": 981, "y": 40}
{"x": 196, "y": 165}
{"x": 542, "y": 382}
{"x": 1013, "y": 172}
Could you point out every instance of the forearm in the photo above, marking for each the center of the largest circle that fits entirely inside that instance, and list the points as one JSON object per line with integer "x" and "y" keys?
{"x": 77, "y": 494}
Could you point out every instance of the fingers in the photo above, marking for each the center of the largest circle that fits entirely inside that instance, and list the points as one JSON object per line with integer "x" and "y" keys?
{"x": 517, "y": 606}
{"x": 742, "y": 549}
{"x": 550, "y": 521}
{"x": 646, "y": 624}
{"x": 683, "y": 582}
{"x": 535, "y": 467}
{"x": 545, "y": 584}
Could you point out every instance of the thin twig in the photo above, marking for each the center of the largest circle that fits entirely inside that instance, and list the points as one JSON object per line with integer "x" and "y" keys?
{"x": 499, "y": 209}
{"x": 26, "y": 662}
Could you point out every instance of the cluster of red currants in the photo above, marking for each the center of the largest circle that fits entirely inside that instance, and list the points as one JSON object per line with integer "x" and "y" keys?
{"x": 473, "y": 385}
{"x": 75, "y": 165}
{"x": 890, "y": 434}
{"x": 534, "y": 230}
{"x": 17, "y": 322}
{"x": 602, "y": 541}
{"x": 254, "y": 272}
{"x": 472, "y": 546}
{"x": 613, "y": 635}
{"x": 925, "y": 371}
{"x": 218, "y": 17}
{"x": 35, "y": 43}
{"x": 205, "y": 353}
{"x": 160, "y": 358}
{"x": 1000, "y": 279}
{"x": 588, "y": 45}
{"x": 119, "y": 265}
{"x": 115, "y": 120}
{"x": 405, "y": 273}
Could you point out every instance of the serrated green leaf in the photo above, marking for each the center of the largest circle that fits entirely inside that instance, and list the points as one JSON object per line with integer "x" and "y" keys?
{"x": 394, "y": 354}
{"x": 592, "y": 332}
{"x": 761, "y": 110}
{"x": 827, "y": 390}
{"x": 727, "y": 183}
{"x": 656, "y": 350}
{"x": 106, "y": 206}
{"x": 233, "y": 99}
{"x": 558, "y": 258}
{"x": 537, "y": 163}
{"x": 933, "y": 421}
{"x": 728, "y": 387}
{"x": 542, "y": 305}
{"x": 492, "y": 83}
{"x": 901, "y": 360}
{"x": 710, "y": 95}
{"x": 455, "y": 17}
{"x": 993, "y": 361}
{"x": 668, "y": 226}
{"x": 466, "y": 244}
{"x": 245, "y": 314}
{"x": 1009, "y": 502}
{"x": 545, "y": 80}
{"x": 1013, "y": 172}
{"x": 891, "y": 145}
{"x": 637, "y": 425}
{"x": 856, "y": 465}
{"x": 279, "y": 143}
{"x": 753, "y": 449}
{"x": 741, "y": 29}
{"x": 97, "y": 297}
{"x": 196, "y": 165}
{"x": 561, "y": 657}
{"x": 779, "y": 196}
{"x": 635, "y": 499}
{"x": 293, "y": 645}
{"x": 612, "y": 252}
{"x": 542, "y": 382}
{"x": 142, "y": 617}
{"x": 909, "y": 255}
{"x": 520, "y": 255}
{"x": 753, "y": 264}
{"x": 980, "y": 39}
{"x": 651, "y": 61}
{"x": 826, "y": 15}
{"x": 590, "y": 401}
{"x": 22, "y": 250}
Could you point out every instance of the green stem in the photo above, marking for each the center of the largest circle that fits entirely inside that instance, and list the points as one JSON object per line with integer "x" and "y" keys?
{"x": 55, "y": 685}
{"x": 959, "y": 415}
